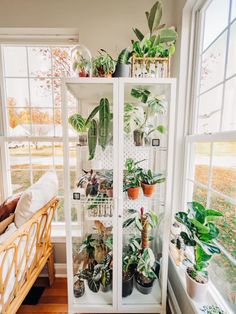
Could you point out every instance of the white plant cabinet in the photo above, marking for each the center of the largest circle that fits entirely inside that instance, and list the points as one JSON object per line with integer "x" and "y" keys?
{"x": 105, "y": 215}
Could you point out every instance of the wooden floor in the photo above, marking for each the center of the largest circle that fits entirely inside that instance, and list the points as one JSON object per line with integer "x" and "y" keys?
{"x": 53, "y": 300}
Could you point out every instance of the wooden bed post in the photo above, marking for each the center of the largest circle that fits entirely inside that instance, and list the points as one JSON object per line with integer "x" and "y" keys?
{"x": 50, "y": 268}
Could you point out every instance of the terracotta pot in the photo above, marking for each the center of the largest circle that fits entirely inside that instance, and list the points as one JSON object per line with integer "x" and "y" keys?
{"x": 109, "y": 192}
{"x": 196, "y": 290}
{"x": 83, "y": 74}
{"x": 133, "y": 193}
{"x": 148, "y": 189}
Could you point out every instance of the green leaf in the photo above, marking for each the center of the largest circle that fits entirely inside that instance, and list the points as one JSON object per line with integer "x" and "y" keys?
{"x": 104, "y": 122}
{"x": 92, "y": 139}
{"x": 171, "y": 50}
{"x": 138, "y": 223}
{"x": 161, "y": 129}
{"x": 132, "y": 211}
{"x": 128, "y": 222}
{"x": 124, "y": 56}
{"x": 155, "y": 17}
{"x": 200, "y": 227}
{"x": 93, "y": 285}
{"x": 77, "y": 122}
{"x": 198, "y": 210}
{"x": 211, "y": 214}
{"x": 139, "y": 35}
{"x": 167, "y": 35}
{"x": 187, "y": 240}
{"x": 92, "y": 115}
{"x": 213, "y": 233}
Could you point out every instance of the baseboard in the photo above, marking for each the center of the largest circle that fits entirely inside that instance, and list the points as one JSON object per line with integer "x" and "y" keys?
{"x": 60, "y": 271}
{"x": 173, "y": 303}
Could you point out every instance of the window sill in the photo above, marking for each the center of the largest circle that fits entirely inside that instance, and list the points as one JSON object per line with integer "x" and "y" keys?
{"x": 58, "y": 233}
{"x": 213, "y": 296}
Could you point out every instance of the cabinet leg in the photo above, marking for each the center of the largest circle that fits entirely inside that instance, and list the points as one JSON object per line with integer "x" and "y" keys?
{"x": 51, "y": 269}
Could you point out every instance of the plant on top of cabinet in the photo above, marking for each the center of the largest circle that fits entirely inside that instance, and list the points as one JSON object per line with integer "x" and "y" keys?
{"x": 139, "y": 119}
{"x": 199, "y": 235}
{"x": 79, "y": 125}
{"x": 160, "y": 42}
{"x": 132, "y": 178}
{"x": 145, "y": 273}
{"x": 81, "y": 61}
{"x": 123, "y": 64}
{"x": 149, "y": 181}
{"x": 103, "y": 64}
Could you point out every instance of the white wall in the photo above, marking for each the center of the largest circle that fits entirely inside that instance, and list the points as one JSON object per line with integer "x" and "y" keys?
{"x": 101, "y": 23}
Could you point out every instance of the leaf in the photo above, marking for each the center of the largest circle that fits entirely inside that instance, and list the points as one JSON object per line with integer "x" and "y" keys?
{"x": 104, "y": 121}
{"x": 155, "y": 17}
{"x": 128, "y": 222}
{"x": 167, "y": 35}
{"x": 147, "y": 15}
{"x": 139, "y": 35}
{"x": 138, "y": 223}
{"x": 213, "y": 233}
{"x": 93, "y": 285}
{"x": 124, "y": 56}
{"x": 92, "y": 139}
{"x": 187, "y": 240}
{"x": 77, "y": 122}
{"x": 211, "y": 214}
{"x": 132, "y": 211}
{"x": 171, "y": 50}
{"x": 198, "y": 210}
{"x": 161, "y": 129}
{"x": 200, "y": 227}
{"x": 92, "y": 115}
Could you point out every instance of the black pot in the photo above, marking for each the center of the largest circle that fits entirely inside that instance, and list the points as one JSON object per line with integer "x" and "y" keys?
{"x": 127, "y": 286}
{"x": 122, "y": 70}
{"x": 106, "y": 288}
{"x": 143, "y": 287}
{"x": 79, "y": 288}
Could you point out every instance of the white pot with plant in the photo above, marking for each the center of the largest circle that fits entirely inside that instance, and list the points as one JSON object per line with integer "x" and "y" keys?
{"x": 199, "y": 235}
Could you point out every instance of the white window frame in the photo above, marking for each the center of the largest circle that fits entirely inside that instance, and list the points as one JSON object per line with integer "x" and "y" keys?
{"x": 188, "y": 89}
{"x": 33, "y": 37}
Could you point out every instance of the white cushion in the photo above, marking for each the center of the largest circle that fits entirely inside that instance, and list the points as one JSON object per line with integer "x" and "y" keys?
{"x": 35, "y": 197}
{"x": 8, "y": 232}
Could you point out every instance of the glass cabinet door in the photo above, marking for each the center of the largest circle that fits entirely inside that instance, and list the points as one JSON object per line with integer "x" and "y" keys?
{"x": 90, "y": 141}
{"x": 143, "y": 201}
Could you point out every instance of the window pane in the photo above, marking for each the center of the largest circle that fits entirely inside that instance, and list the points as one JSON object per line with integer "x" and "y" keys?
{"x": 41, "y": 155}
{"x": 233, "y": 10}
{"x": 223, "y": 274}
{"x": 60, "y": 211}
{"x": 231, "y": 68}
{"x": 42, "y": 122}
{"x": 202, "y": 161}
{"x": 199, "y": 195}
{"x": 213, "y": 63}
{"x": 61, "y": 61}
{"x": 209, "y": 110}
{"x": 15, "y": 61}
{"x": 224, "y": 168}
{"x": 41, "y": 93}
{"x": 19, "y": 155}
{"x": 17, "y": 92}
{"x": 39, "y": 61}
{"x": 19, "y": 121}
{"x": 229, "y": 114}
{"x": 215, "y": 12}
{"x": 60, "y": 183}
{"x": 20, "y": 180}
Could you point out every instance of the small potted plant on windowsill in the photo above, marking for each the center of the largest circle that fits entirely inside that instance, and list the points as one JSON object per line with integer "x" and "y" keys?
{"x": 103, "y": 64}
{"x": 149, "y": 180}
{"x": 132, "y": 178}
{"x": 145, "y": 272}
{"x": 199, "y": 235}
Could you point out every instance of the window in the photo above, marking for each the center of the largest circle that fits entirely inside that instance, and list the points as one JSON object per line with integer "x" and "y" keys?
{"x": 32, "y": 134}
{"x": 211, "y": 143}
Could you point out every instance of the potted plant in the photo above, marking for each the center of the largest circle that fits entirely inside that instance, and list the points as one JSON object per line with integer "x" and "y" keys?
{"x": 149, "y": 181}
{"x": 81, "y": 61}
{"x": 132, "y": 178}
{"x": 79, "y": 125}
{"x": 142, "y": 116}
{"x": 129, "y": 264}
{"x": 123, "y": 65}
{"x": 79, "y": 287}
{"x": 212, "y": 309}
{"x": 199, "y": 235}
{"x": 109, "y": 183}
{"x": 145, "y": 273}
{"x": 103, "y": 64}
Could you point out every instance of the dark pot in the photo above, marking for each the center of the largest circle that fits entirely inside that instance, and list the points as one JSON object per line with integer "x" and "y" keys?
{"x": 122, "y": 70}
{"x": 79, "y": 288}
{"x": 106, "y": 288}
{"x": 127, "y": 286}
{"x": 143, "y": 287}
{"x": 138, "y": 138}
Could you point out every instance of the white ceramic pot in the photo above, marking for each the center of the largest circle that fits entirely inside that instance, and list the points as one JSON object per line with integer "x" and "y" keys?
{"x": 197, "y": 291}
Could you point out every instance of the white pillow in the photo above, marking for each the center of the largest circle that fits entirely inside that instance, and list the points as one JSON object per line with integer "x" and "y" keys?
{"x": 35, "y": 197}
{"x": 8, "y": 232}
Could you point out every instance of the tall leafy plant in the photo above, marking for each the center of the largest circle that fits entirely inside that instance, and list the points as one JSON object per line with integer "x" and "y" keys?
{"x": 200, "y": 235}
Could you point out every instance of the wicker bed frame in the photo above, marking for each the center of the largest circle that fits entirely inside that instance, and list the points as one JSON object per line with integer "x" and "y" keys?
{"x": 35, "y": 234}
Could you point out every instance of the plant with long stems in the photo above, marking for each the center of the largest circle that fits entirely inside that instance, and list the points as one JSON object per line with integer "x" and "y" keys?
{"x": 133, "y": 174}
